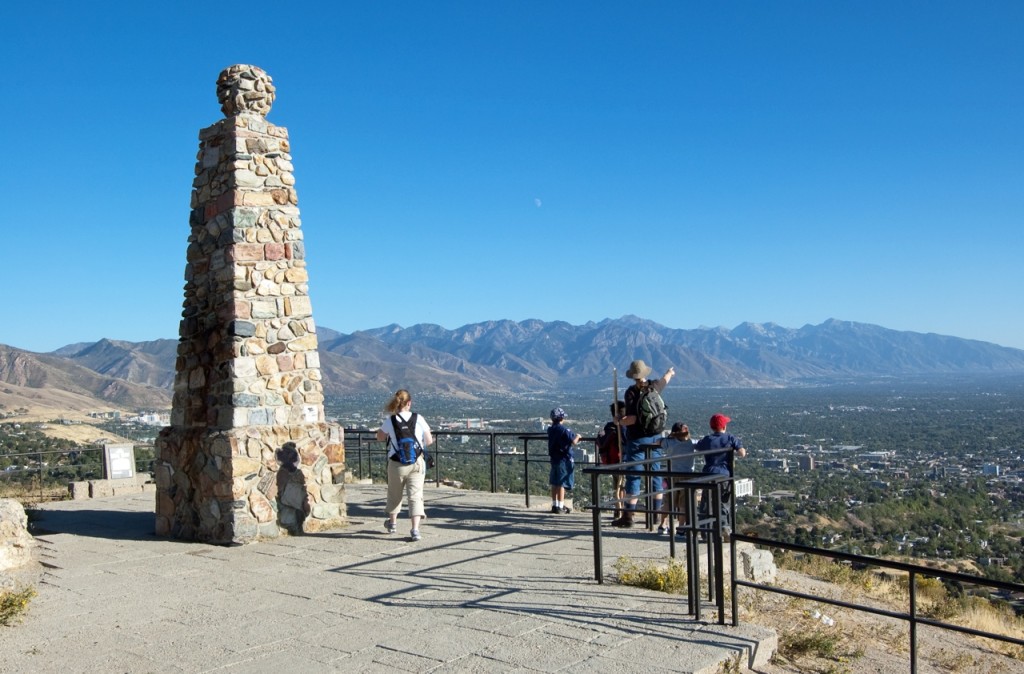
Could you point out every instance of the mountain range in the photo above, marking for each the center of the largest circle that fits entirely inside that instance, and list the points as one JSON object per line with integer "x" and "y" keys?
{"x": 506, "y": 356}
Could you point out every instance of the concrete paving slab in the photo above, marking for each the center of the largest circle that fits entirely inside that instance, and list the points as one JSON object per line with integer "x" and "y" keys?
{"x": 493, "y": 586}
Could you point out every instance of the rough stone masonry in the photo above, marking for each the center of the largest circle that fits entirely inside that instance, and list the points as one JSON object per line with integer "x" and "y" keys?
{"x": 248, "y": 454}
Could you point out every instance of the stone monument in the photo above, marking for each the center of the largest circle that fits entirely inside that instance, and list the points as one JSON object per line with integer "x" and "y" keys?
{"x": 248, "y": 454}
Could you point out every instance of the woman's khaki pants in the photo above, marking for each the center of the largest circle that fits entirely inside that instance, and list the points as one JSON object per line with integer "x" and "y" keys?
{"x": 410, "y": 480}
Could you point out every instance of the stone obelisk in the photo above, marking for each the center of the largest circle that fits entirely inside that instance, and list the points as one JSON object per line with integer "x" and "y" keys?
{"x": 248, "y": 454}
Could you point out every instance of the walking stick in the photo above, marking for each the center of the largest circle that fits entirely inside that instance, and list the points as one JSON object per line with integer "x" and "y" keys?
{"x": 618, "y": 436}
{"x": 615, "y": 409}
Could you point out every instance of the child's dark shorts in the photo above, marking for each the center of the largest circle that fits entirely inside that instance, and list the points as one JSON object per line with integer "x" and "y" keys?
{"x": 561, "y": 473}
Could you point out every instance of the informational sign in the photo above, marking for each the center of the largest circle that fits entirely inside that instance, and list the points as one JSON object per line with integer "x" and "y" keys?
{"x": 310, "y": 414}
{"x": 118, "y": 461}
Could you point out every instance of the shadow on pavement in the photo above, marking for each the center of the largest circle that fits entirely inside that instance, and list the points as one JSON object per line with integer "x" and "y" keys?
{"x": 112, "y": 524}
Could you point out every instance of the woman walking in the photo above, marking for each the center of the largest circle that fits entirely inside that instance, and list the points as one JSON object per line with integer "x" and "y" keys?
{"x": 408, "y": 435}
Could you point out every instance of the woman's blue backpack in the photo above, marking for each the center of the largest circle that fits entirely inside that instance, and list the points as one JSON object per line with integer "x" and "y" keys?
{"x": 408, "y": 448}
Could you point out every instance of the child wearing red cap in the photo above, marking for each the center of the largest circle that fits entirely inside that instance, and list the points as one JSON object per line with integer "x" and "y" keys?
{"x": 718, "y": 459}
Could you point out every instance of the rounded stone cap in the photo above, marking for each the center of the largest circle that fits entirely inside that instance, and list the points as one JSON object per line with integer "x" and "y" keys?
{"x": 244, "y": 88}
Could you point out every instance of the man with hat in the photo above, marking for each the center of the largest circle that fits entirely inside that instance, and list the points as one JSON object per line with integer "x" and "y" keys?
{"x": 637, "y": 436}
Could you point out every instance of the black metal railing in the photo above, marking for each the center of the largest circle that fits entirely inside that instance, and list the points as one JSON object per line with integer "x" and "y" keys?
{"x": 366, "y": 457}
{"x": 710, "y": 524}
{"x": 914, "y": 571}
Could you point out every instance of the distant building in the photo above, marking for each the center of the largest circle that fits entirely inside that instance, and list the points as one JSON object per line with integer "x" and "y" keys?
{"x": 990, "y": 469}
{"x": 743, "y": 487}
{"x": 153, "y": 419}
{"x": 582, "y": 455}
{"x": 776, "y": 464}
{"x": 806, "y": 462}
{"x": 992, "y": 561}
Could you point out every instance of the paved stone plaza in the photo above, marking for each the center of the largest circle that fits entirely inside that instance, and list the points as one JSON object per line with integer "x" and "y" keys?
{"x": 493, "y": 586}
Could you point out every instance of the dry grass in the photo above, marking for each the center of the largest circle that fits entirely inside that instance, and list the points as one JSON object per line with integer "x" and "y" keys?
{"x": 825, "y": 639}
{"x": 46, "y": 404}
{"x": 807, "y": 644}
{"x": 84, "y": 432}
{"x": 671, "y": 578}
{"x": 29, "y": 496}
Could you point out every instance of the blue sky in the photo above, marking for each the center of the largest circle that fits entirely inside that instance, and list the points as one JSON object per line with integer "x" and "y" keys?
{"x": 694, "y": 163}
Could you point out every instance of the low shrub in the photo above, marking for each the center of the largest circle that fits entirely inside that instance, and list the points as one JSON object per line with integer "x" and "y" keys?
{"x": 671, "y": 578}
{"x": 13, "y": 604}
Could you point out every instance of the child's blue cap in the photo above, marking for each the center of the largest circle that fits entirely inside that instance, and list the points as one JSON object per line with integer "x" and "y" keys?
{"x": 557, "y": 414}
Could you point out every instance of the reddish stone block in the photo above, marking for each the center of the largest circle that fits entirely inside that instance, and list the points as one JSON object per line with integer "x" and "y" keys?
{"x": 245, "y": 252}
{"x": 274, "y": 251}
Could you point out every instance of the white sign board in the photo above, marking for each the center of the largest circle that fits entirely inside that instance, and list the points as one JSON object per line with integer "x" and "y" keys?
{"x": 119, "y": 461}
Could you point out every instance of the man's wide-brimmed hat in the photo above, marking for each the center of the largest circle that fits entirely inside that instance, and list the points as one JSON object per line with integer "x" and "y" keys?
{"x": 638, "y": 370}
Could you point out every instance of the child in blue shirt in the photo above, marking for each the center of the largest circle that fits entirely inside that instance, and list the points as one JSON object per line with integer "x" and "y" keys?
{"x": 720, "y": 447}
{"x": 560, "y": 442}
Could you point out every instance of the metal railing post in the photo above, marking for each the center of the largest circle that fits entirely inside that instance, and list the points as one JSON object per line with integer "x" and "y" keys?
{"x": 359, "y": 456}
{"x": 526, "y": 469}
{"x": 595, "y": 495}
{"x": 494, "y": 466}
{"x": 913, "y": 622}
{"x": 692, "y": 555}
{"x": 732, "y": 556}
{"x": 719, "y": 561}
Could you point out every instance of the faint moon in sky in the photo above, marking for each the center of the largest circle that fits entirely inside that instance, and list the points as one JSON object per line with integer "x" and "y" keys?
{"x": 538, "y": 203}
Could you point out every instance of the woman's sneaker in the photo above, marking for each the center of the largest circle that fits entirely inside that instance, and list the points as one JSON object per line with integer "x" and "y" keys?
{"x": 414, "y": 535}
{"x": 389, "y": 526}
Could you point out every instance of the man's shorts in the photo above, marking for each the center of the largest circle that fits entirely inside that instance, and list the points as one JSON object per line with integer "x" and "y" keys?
{"x": 636, "y": 452}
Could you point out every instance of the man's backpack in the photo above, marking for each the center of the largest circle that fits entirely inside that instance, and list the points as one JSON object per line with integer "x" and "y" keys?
{"x": 408, "y": 448}
{"x": 651, "y": 412}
